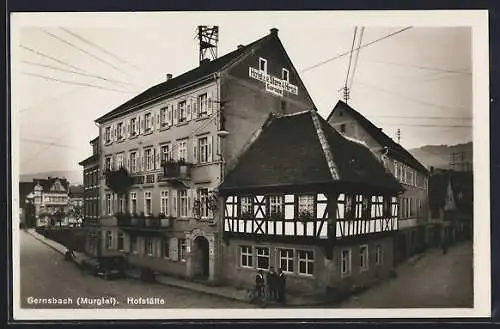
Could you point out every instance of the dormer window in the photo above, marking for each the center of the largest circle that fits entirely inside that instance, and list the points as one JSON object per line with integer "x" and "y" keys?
{"x": 263, "y": 65}
{"x": 285, "y": 75}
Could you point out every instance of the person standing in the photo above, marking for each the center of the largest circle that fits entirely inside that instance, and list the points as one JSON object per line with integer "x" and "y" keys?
{"x": 281, "y": 286}
{"x": 259, "y": 284}
{"x": 272, "y": 279}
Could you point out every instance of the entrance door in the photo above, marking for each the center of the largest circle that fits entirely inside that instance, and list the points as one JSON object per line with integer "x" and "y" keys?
{"x": 201, "y": 258}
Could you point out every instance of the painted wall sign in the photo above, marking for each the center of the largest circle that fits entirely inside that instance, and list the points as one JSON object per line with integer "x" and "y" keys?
{"x": 273, "y": 84}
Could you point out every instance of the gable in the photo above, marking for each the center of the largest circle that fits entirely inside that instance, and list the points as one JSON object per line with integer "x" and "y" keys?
{"x": 57, "y": 187}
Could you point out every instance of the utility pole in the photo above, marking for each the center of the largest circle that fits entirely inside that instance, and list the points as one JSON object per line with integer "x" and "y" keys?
{"x": 398, "y": 135}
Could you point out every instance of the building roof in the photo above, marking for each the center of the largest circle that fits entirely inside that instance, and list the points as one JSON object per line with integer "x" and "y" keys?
{"x": 76, "y": 191}
{"x": 462, "y": 187}
{"x": 47, "y": 183}
{"x": 396, "y": 151}
{"x": 25, "y": 188}
{"x": 205, "y": 70}
{"x": 94, "y": 140}
{"x": 89, "y": 160}
{"x": 303, "y": 149}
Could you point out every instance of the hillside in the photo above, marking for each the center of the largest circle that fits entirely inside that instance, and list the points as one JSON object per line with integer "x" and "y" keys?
{"x": 75, "y": 177}
{"x": 438, "y": 156}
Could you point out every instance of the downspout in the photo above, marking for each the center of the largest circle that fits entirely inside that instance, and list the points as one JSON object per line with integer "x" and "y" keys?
{"x": 99, "y": 151}
{"x": 218, "y": 261}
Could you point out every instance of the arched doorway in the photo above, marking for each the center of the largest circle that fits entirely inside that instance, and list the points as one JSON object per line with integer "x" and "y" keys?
{"x": 201, "y": 258}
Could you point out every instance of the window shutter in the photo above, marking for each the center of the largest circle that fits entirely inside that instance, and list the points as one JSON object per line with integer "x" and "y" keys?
{"x": 194, "y": 109}
{"x": 188, "y": 112}
{"x": 209, "y": 109}
{"x": 195, "y": 153}
{"x": 175, "y": 110}
{"x": 128, "y": 162}
{"x": 174, "y": 204}
{"x": 169, "y": 115}
{"x": 210, "y": 144}
{"x": 158, "y": 157}
{"x": 158, "y": 113}
{"x": 174, "y": 251}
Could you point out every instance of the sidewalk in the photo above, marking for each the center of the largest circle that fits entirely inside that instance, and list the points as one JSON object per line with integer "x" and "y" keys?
{"x": 228, "y": 292}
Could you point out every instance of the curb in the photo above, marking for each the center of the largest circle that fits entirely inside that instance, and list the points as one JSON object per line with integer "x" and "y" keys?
{"x": 44, "y": 242}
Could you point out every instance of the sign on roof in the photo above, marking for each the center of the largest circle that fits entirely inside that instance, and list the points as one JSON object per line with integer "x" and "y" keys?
{"x": 274, "y": 85}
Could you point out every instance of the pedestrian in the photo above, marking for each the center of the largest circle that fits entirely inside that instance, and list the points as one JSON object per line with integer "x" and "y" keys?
{"x": 281, "y": 286}
{"x": 272, "y": 280}
{"x": 259, "y": 284}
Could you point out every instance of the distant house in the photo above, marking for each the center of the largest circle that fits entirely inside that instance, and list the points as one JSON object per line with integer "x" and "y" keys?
{"x": 306, "y": 199}
{"x": 414, "y": 230}
{"x": 50, "y": 197}
{"x": 76, "y": 197}
{"x": 451, "y": 203}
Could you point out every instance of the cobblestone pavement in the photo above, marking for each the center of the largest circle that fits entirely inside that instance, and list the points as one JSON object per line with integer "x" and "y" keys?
{"x": 434, "y": 280}
{"x": 45, "y": 274}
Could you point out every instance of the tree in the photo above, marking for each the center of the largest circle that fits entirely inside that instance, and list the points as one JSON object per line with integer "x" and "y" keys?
{"x": 119, "y": 181}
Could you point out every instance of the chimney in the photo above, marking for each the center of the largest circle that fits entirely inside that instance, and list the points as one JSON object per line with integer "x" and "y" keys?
{"x": 240, "y": 46}
{"x": 169, "y": 76}
{"x": 274, "y": 31}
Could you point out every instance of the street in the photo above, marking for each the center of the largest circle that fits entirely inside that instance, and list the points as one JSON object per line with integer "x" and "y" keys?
{"x": 435, "y": 280}
{"x": 45, "y": 274}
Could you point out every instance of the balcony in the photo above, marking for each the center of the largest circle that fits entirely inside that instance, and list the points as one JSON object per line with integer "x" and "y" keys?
{"x": 139, "y": 222}
{"x": 179, "y": 171}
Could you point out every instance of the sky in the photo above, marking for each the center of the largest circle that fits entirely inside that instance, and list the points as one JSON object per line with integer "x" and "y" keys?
{"x": 419, "y": 80}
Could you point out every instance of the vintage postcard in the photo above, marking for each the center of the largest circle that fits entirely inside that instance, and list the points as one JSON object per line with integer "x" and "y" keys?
{"x": 250, "y": 165}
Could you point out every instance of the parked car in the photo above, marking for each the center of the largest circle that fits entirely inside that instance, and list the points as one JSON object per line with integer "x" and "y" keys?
{"x": 107, "y": 267}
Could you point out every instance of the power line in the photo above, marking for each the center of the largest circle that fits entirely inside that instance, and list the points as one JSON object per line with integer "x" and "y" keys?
{"x": 98, "y": 47}
{"x": 39, "y": 53}
{"x": 75, "y": 72}
{"x": 350, "y": 55}
{"x": 421, "y": 67}
{"x": 49, "y": 99}
{"x": 416, "y": 100}
{"x": 75, "y": 83}
{"x": 422, "y": 117}
{"x": 357, "y": 56}
{"x": 363, "y": 46}
{"x": 428, "y": 125}
{"x": 34, "y": 141}
{"x": 43, "y": 149}
{"x": 84, "y": 51}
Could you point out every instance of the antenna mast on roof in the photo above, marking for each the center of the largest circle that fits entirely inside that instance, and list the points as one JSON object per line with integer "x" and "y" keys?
{"x": 398, "y": 135}
{"x": 209, "y": 38}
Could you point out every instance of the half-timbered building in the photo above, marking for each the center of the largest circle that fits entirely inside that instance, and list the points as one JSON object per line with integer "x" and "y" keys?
{"x": 307, "y": 200}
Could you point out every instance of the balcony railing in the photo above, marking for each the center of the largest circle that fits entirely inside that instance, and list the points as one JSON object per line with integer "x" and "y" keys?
{"x": 139, "y": 222}
{"x": 176, "y": 170}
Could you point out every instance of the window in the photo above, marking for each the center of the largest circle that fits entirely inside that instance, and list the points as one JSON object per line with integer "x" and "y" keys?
{"x": 109, "y": 240}
{"x": 182, "y": 249}
{"x": 163, "y": 117}
{"x": 283, "y": 106}
{"x": 275, "y": 204}
{"x": 148, "y": 154}
{"x": 358, "y": 211}
{"x": 345, "y": 262}
{"x": 165, "y": 248}
{"x": 246, "y": 205}
{"x": 182, "y": 111}
{"x": 342, "y": 128}
{"x": 133, "y": 124}
{"x": 107, "y": 163}
{"x": 165, "y": 153}
{"x": 262, "y": 258}
{"x": 349, "y": 207}
{"x": 306, "y": 262}
{"x": 377, "y": 206}
{"x": 133, "y": 162}
{"x": 286, "y": 260}
{"x": 203, "y": 149}
{"x": 147, "y": 203}
{"x": 182, "y": 148}
{"x": 121, "y": 204}
{"x": 107, "y": 134}
{"x": 246, "y": 256}
{"x": 306, "y": 204}
{"x": 363, "y": 257}
{"x": 183, "y": 207}
{"x": 108, "y": 204}
{"x": 119, "y": 160}
{"x": 133, "y": 244}
{"x": 203, "y": 198}
{"x": 285, "y": 75}
{"x": 164, "y": 202}
{"x": 148, "y": 247}
{"x": 379, "y": 255}
{"x": 133, "y": 202}
{"x": 119, "y": 130}
{"x": 203, "y": 105}
{"x": 121, "y": 239}
{"x": 147, "y": 122}
{"x": 262, "y": 65}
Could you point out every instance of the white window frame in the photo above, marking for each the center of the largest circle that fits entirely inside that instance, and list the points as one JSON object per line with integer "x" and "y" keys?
{"x": 379, "y": 255}
{"x": 133, "y": 161}
{"x": 150, "y": 159}
{"x": 203, "y": 198}
{"x": 263, "y": 60}
{"x": 203, "y": 149}
{"x": 133, "y": 201}
{"x": 163, "y": 116}
{"x": 287, "y": 259}
{"x": 166, "y": 152}
{"x": 107, "y": 135}
{"x": 246, "y": 204}
{"x": 283, "y": 71}
{"x": 202, "y": 105}
{"x": 164, "y": 202}
{"x": 182, "y": 149}
{"x": 109, "y": 204}
{"x": 247, "y": 253}
{"x": 132, "y": 125}
{"x": 306, "y": 203}
{"x": 364, "y": 256}
{"x": 182, "y": 115}
{"x": 262, "y": 252}
{"x": 183, "y": 197}
{"x": 120, "y": 160}
{"x": 348, "y": 261}
{"x": 182, "y": 247}
{"x": 149, "y": 246}
{"x": 119, "y": 131}
{"x": 275, "y": 203}
{"x": 147, "y": 197}
{"x": 108, "y": 162}
{"x": 305, "y": 260}
{"x": 147, "y": 122}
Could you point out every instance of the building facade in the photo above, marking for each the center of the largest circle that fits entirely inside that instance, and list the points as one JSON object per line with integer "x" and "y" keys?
{"x": 318, "y": 206}
{"x": 50, "y": 198}
{"x": 414, "y": 230}
{"x": 91, "y": 199}
{"x": 172, "y": 144}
